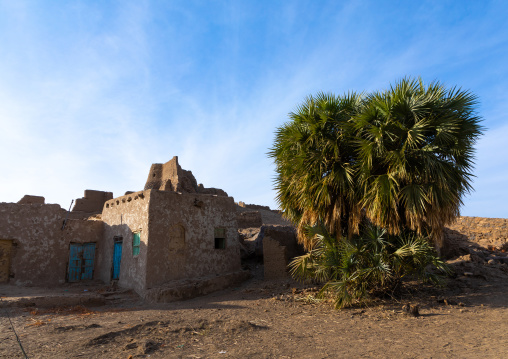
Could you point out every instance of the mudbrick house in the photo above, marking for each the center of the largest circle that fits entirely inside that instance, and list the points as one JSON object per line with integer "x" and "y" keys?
{"x": 172, "y": 240}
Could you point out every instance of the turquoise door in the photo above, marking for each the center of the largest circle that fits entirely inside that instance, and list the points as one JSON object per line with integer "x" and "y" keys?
{"x": 88, "y": 261}
{"x": 75, "y": 260}
{"x": 81, "y": 261}
{"x": 117, "y": 258}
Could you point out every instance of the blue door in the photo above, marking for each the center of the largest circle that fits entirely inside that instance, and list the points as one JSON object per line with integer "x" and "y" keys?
{"x": 81, "y": 261}
{"x": 75, "y": 260}
{"x": 117, "y": 258}
{"x": 88, "y": 261}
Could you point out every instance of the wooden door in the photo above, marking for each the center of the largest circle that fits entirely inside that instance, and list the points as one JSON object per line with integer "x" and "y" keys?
{"x": 88, "y": 261}
{"x": 117, "y": 258}
{"x": 75, "y": 261}
{"x": 81, "y": 261}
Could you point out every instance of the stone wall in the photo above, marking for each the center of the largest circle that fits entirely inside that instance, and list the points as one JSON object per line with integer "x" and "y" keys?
{"x": 40, "y": 248}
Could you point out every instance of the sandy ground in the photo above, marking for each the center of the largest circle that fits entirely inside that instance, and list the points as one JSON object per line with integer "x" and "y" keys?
{"x": 272, "y": 320}
{"x": 468, "y": 318}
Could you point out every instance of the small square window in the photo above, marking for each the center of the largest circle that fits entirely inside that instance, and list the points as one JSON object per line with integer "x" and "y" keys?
{"x": 220, "y": 243}
{"x": 220, "y": 238}
{"x": 136, "y": 242}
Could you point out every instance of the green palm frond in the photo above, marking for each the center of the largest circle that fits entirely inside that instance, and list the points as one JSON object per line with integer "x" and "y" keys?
{"x": 351, "y": 269}
{"x": 400, "y": 159}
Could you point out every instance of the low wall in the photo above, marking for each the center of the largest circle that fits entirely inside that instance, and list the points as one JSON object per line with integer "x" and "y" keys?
{"x": 190, "y": 288}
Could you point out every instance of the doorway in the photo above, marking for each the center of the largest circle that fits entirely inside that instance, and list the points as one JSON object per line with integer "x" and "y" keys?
{"x": 117, "y": 257}
{"x": 81, "y": 261}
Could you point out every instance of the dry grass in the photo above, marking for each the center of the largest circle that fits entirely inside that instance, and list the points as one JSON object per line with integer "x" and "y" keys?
{"x": 63, "y": 310}
{"x": 37, "y": 323}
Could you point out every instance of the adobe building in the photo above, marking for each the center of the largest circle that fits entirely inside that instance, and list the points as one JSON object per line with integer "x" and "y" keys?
{"x": 35, "y": 243}
{"x": 175, "y": 239}
{"x": 173, "y": 231}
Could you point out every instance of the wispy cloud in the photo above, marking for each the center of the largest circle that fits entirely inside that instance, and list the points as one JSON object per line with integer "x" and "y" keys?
{"x": 92, "y": 94}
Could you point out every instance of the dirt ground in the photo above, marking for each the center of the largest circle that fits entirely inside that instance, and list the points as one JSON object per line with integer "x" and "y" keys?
{"x": 468, "y": 318}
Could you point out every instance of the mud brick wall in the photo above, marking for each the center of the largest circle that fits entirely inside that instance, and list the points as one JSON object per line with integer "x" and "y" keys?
{"x": 253, "y": 206}
{"x": 92, "y": 202}
{"x": 28, "y": 199}
{"x": 171, "y": 177}
{"x": 275, "y": 259}
{"x": 279, "y": 248}
{"x": 122, "y": 217}
{"x": 39, "y": 253}
{"x": 250, "y": 219}
{"x": 481, "y": 230}
{"x": 196, "y": 217}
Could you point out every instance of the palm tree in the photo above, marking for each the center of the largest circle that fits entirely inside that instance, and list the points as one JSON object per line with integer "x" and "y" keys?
{"x": 400, "y": 158}
{"x": 315, "y": 156}
{"x": 415, "y": 155}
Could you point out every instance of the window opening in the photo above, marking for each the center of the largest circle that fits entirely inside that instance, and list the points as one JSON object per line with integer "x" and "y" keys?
{"x": 220, "y": 238}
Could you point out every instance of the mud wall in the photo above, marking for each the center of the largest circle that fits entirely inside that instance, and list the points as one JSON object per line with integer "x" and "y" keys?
{"x": 171, "y": 177}
{"x": 279, "y": 248}
{"x": 92, "y": 202}
{"x": 275, "y": 259}
{"x": 182, "y": 237}
{"x": 122, "y": 217}
{"x": 253, "y": 206}
{"x": 29, "y": 199}
{"x": 40, "y": 248}
{"x": 249, "y": 219}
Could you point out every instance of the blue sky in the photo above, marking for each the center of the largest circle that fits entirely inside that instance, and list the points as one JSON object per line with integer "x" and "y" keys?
{"x": 93, "y": 92}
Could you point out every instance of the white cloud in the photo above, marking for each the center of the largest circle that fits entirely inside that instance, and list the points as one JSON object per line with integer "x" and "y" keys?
{"x": 91, "y": 99}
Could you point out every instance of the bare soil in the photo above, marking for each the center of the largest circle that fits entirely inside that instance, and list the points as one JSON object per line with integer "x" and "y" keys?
{"x": 468, "y": 318}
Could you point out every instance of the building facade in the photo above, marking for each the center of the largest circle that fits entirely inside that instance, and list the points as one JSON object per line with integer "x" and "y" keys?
{"x": 173, "y": 233}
